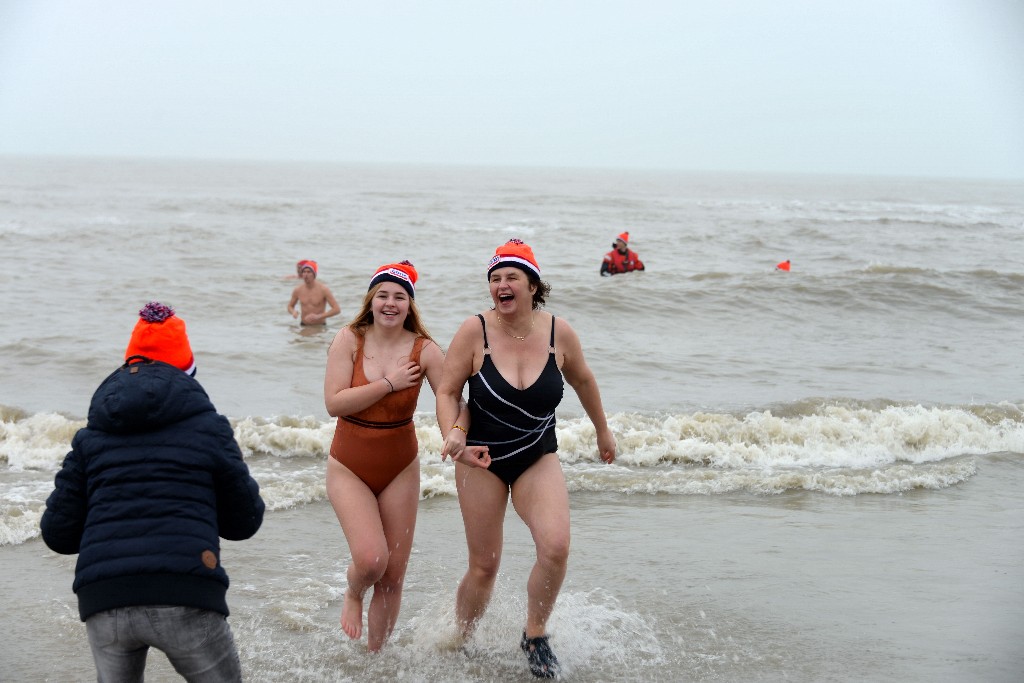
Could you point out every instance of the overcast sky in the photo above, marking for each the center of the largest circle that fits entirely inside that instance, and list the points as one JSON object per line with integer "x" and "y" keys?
{"x": 892, "y": 87}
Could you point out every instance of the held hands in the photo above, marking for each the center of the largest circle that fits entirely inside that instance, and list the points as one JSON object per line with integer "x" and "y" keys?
{"x": 455, "y": 446}
{"x": 474, "y": 456}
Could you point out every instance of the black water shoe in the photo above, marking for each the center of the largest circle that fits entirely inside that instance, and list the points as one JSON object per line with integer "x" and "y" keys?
{"x": 543, "y": 662}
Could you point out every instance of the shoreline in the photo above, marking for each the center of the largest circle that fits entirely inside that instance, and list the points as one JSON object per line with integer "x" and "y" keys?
{"x": 799, "y": 586}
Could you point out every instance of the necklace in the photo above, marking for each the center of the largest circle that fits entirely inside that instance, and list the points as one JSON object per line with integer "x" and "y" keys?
{"x": 533, "y": 320}
{"x": 379, "y": 355}
{"x": 382, "y": 358}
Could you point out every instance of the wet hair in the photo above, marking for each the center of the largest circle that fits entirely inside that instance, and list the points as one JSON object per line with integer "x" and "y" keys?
{"x": 543, "y": 290}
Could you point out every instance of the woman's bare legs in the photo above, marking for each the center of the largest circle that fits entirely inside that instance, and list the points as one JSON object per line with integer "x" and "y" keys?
{"x": 541, "y": 499}
{"x": 379, "y": 532}
{"x": 483, "y": 498}
{"x": 397, "y": 503}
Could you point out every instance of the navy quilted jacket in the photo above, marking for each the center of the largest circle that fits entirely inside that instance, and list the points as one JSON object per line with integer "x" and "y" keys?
{"x": 152, "y": 482}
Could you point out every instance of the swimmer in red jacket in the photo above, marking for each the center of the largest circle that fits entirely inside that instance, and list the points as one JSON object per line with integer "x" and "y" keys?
{"x": 621, "y": 259}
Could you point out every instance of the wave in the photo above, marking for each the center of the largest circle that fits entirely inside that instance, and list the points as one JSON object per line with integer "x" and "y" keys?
{"x": 816, "y": 432}
{"x": 835, "y": 447}
{"x": 980, "y": 274}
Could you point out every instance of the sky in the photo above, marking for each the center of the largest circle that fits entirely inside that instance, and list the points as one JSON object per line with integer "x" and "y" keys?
{"x": 876, "y": 87}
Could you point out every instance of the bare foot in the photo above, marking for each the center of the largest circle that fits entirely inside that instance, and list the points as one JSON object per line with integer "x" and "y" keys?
{"x": 352, "y": 615}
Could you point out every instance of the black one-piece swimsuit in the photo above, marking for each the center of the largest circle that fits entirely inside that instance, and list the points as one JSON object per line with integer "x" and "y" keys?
{"x": 517, "y": 425}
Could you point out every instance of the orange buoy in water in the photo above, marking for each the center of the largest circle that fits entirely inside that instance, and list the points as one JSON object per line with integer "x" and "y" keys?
{"x": 783, "y": 266}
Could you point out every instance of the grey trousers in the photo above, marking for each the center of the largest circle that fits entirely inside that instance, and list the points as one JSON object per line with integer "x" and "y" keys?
{"x": 197, "y": 642}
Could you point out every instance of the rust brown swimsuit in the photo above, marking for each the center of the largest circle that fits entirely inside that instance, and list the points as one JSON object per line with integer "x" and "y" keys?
{"x": 378, "y": 442}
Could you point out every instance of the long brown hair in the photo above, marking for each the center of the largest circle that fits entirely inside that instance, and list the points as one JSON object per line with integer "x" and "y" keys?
{"x": 364, "y": 318}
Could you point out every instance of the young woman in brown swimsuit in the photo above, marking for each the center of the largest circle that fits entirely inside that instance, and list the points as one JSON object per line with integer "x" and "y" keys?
{"x": 375, "y": 367}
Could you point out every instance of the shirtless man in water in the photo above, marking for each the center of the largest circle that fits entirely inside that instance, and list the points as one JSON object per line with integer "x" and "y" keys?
{"x": 313, "y": 297}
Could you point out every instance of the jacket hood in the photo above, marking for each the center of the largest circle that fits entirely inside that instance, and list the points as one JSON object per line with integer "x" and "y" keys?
{"x": 145, "y": 396}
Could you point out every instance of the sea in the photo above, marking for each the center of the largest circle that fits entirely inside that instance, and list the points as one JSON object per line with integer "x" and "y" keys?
{"x": 820, "y": 472}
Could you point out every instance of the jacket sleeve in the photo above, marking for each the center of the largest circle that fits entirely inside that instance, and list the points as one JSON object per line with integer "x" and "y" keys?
{"x": 239, "y": 505}
{"x": 63, "y": 520}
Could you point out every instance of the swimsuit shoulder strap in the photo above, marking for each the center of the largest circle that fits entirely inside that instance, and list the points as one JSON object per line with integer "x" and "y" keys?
{"x": 360, "y": 344}
{"x": 552, "y": 350}
{"x": 483, "y": 325}
{"x": 417, "y": 347}
{"x": 357, "y": 363}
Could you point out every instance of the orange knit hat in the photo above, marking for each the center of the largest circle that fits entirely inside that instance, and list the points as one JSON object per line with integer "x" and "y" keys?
{"x": 160, "y": 335}
{"x": 403, "y": 273}
{"x": 624, "y": 236}
{"x": 515, "y": 253}
{"x": 308, "y": 264}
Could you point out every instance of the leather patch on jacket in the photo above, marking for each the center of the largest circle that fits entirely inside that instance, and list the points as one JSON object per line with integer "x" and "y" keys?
{"x": 209, "y": 559}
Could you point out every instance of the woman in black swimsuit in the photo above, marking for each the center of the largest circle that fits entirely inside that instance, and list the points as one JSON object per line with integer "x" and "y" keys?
{"x": 514, "y": 358}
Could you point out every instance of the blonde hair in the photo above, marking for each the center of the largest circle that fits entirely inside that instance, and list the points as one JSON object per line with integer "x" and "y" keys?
{"x": 364, "y": 318}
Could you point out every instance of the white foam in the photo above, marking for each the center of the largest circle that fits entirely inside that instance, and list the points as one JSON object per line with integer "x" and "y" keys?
{"x": 36, "y": 442}
{"x": 284, "y": 437}
{"x": 832, "y": 448}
